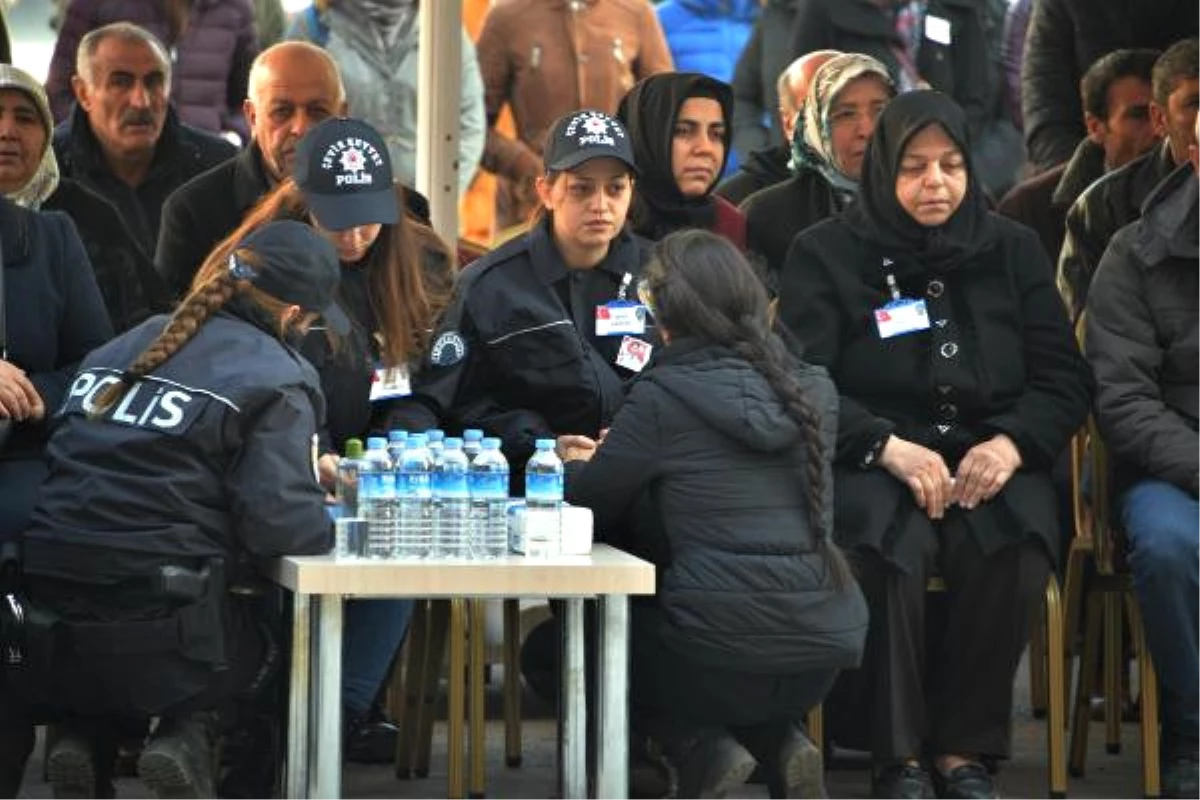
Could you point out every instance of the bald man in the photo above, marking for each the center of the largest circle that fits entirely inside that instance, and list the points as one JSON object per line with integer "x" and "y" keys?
{"x": 292, "y": 87}
{"x": 768, "y": 167}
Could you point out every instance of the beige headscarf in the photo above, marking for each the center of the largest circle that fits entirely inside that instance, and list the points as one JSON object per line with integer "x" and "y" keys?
{"x": 45, "y": 178}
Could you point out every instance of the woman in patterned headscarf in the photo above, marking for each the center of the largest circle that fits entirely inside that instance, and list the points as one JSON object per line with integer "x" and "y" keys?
{"x": 848, "y": 93}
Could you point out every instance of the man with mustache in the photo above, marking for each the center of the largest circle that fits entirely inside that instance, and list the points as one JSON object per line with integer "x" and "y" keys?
{"x": 293, "y": 86}
{"x": 122, "y": 139}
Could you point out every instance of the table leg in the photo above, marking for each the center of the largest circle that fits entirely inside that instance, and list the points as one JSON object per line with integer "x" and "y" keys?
{"x": 574, "y": 711}
{"x": 298, "y": 699}
{"x": 613, "y": 754}
{"x": 329, "y": 696}
{"x": 456, "y": 699}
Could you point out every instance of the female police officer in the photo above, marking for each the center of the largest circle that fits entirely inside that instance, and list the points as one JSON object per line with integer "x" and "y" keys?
{"x": 543, "y": 331}
{"x": 184, "y": 450}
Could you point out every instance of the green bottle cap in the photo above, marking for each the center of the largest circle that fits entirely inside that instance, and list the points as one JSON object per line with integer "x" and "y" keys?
{"x": 354, "y": 448}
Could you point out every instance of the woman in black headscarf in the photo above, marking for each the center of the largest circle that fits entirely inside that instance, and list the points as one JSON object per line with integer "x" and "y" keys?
{"x": 960, "y": 382}
{"x": 679, "y": 123}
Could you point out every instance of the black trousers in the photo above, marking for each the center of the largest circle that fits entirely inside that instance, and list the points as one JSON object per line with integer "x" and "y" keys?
{"x": 950, "y": 692}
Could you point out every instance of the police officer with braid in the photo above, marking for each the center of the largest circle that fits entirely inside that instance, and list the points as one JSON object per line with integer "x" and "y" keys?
{"x": 184, "y": 451}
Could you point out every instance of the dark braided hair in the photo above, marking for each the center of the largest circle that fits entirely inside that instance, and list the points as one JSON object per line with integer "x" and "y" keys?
{"x": 701, "y": 287}
{"x": 212, "y": 288}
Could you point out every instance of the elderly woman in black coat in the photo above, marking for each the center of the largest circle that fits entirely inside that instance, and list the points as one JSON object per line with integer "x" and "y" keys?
{"x": 960, "y": 382}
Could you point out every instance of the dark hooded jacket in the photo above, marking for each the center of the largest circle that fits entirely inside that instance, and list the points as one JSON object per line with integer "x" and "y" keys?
{"x": 1105, "y": 207}
{"x": 742, "y": 587}
{"x": 1142, "y": 338}
{"x": 998, "y": 355}
{"x": 649, "y": 111}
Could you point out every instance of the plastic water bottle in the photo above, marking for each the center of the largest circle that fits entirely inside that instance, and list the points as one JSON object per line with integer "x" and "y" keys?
{"x": 543, "y": 501}
{"x": 415, "y": 529}
{"x": 395, "y": 446}
{"x": 489, "y": 501}
{"x": 347, "y": 478}
{"x": 451, "y": 503}
{"x": 377, "y": 498}
{"x": 472, "y": 443}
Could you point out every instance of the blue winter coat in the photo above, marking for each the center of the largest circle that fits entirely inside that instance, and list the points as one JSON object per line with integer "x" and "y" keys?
{"x": 708, "y": 36}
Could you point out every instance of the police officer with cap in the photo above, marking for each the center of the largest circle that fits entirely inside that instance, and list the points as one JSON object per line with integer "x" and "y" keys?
{"x": 544, "y": 331}
{"x": 184, "y": 450}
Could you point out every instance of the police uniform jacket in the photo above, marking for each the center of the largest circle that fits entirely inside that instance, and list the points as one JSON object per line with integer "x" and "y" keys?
{"x": 516, "y": 353}
{"x": 997, "y": 355}
{"x": 208, "y": 456}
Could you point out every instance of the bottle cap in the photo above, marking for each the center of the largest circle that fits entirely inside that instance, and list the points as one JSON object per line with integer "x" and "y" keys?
{"x": 545, "y": 444}
{"x": 472, "y": 434}
{"x": 453, "y": 443}
{"x": 490, "y": 443}
{"x": 376, "y": 443}
{"x": 415, "y": 440}
{"x": 397, "y": 436}
{"x": 435, "y": 435}
{"x": 354, "y": 448}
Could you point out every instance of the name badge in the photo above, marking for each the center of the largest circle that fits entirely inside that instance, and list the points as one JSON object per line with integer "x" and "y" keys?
{"x": 621, "y": 317}
{"x": 900, "y": 317}
{"x": 937, "y": 29}
{"x": 634, "y": 354}
{"x": 389, "y": 382}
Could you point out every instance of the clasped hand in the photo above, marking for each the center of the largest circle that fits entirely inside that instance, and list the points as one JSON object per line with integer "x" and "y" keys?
{"x": 982, "y": 473}
{"x": 19, "y": 399}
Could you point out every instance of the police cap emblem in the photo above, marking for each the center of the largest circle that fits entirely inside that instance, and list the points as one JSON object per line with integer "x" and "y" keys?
{"x": 448, "y": 349}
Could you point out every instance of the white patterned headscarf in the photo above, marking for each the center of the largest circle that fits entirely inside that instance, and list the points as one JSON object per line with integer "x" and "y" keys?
{"x": 44, "y": 180}
{"x": 812, "y": 145}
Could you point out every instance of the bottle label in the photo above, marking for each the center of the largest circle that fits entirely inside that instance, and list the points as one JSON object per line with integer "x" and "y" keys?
{"x": 545, "y": 486}
{"x": 489, "y": 484}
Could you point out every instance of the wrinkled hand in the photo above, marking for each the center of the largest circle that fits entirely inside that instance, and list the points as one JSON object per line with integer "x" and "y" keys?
{"x": 984, "y": 470}
{"x": 922, "y": 470}
{"x": 573, "y": 447}
{"x": 19, "y": 400}
{"x": 327, "y": 467}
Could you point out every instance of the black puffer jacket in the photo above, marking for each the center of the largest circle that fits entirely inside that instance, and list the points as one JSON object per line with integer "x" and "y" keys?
{"x": 1064, "y": 38}
{"x": 705, "y": 435}
{"x": 1104, "y": 208}
{"x": 1142, "y": 340}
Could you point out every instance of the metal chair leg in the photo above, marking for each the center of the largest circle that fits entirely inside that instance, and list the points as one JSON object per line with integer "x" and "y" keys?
{"x": 815, "y": 722}
{"x": 431, "y": 671}
{"x": 1148, "y": 679}
{"x": 457, "y": 699}
{"x": 475, "y": 708}
{"x": 1037, "y": 667}
{"x": 1056, "y": 658}
{"x": 415, "y": 657}
{"x": 512, "y": 683}
{"x": 1114, "y": 657}
{"x": 1085, "y": 686}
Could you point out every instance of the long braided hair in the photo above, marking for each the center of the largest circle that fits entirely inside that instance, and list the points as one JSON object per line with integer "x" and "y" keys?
{"x": 701, "y": 287}
{"x": 213, "y": 287}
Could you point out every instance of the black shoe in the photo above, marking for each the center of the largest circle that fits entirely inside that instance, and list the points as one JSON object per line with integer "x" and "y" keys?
{"x": 180, "y": 760}
{"x": 371, "y": 742}
{"x": 970, "y": 781}
{"x": 649, "y": 772}
{"x": 801, "y": 770}
{"x": 709, "y": 764}
{"x": 74, "y": 768}
{"x": 1181, "y": 776}
{"x": 902, "y": 781}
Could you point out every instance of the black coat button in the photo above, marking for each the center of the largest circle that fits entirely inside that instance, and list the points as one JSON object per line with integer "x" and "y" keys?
{"x": 935, "y": 289}
{"x": 948, "y": 350}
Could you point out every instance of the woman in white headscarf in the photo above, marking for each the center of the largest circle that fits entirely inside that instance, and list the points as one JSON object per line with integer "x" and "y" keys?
{"x": 848, "y": 93}
{"x": 29, "y": 177}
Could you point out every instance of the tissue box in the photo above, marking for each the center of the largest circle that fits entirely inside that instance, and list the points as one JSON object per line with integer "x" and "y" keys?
{"x": 572, "y": 526}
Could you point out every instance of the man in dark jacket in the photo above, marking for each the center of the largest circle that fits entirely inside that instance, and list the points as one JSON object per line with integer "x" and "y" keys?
{"x": 765, "y": 56}
{"x": 1142, "y": 324}
{"x": 123, "y": 140}
{"x": 769, "y": 166}
{"x": 293, "y": 86}
{"x": 1065, "y": 36}
{"x": 1116, "y": 93}
{"x": 1116, "y": 200}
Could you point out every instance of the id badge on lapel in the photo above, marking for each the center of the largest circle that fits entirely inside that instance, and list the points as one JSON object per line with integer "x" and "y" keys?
{"x": 901, "y": 315}
{"x": 389, "y": 382}
{"x": 621, "y": 318}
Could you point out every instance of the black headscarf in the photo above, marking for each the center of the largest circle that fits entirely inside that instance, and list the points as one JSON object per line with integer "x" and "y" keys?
{"x": 878, "y": 215}
{"x": 649, "y": 111}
